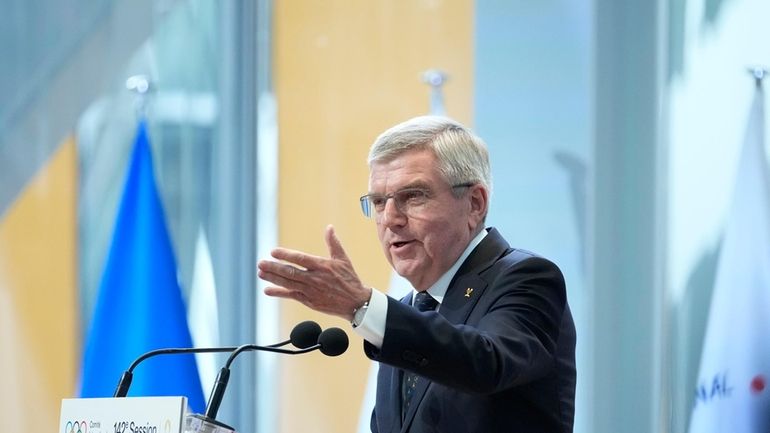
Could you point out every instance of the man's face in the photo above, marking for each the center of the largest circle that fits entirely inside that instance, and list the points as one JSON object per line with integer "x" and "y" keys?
{"x": 422, "y": 242}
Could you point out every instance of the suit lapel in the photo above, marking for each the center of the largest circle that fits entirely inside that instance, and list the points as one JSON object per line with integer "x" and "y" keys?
{"x": 461, "y": 297}
{"x": 455, "y": 308}
{"x": 467, "y": 286}
{"x": 463, "y": 293}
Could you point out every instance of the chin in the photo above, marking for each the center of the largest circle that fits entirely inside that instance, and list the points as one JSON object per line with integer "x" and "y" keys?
{"x": 405, "y": 271}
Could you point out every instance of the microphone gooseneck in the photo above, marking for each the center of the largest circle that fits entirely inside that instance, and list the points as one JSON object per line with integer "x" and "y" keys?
{"x": 306, "y": 337}
{"x": 125, "y": 380}
{"x": 300, "y": 335}
{"x": 217, "y": 393}
{"x": 331, "y": 342}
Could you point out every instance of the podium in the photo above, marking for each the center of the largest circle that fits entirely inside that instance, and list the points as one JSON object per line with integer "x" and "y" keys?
{"x": 134, "y": 415}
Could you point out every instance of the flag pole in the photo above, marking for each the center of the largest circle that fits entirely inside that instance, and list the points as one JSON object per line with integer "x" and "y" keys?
{"x": 436, "y": 78}
{"x": 759, "y": 73}
{"x": 140, "y": 85}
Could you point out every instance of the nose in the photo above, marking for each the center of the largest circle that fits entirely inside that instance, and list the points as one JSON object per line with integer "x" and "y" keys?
{"x": 392, "y": 216}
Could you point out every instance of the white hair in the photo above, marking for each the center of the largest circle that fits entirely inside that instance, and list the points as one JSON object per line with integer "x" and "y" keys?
{"x": 462, "y": 156}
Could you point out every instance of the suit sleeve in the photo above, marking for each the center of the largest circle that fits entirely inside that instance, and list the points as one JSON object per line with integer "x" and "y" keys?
{"x": 510, "y": 338}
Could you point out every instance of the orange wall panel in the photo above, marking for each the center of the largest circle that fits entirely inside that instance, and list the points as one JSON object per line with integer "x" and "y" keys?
{"x": 38, "y": 298}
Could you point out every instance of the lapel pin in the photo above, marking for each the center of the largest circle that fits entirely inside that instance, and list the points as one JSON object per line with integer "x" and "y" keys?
{"x": 468, "y": 292}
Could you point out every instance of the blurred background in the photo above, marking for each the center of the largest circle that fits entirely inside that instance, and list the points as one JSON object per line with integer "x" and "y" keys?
{"x": 615, "y": 129}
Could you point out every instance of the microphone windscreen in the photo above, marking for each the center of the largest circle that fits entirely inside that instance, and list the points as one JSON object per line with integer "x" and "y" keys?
{"x": 305, "y": 334}
{"x": 333, "y": 341}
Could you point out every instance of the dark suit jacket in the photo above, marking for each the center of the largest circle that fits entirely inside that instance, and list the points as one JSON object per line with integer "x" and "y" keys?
{"x": 498, "y": 356}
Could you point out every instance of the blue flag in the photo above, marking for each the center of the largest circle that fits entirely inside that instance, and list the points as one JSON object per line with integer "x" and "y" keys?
{"x": 139, "y": 306}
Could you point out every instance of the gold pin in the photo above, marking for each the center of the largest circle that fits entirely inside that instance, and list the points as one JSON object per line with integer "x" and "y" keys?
{"x": 468, "y": 292}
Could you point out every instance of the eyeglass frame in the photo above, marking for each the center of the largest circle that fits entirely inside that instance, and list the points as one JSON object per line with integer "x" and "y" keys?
{"x": 365, "y": 201}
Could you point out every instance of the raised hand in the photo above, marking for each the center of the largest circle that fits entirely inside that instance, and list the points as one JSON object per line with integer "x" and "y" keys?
{"x": 328, "y": 285}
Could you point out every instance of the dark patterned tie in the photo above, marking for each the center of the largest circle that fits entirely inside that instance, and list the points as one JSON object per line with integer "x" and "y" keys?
{"x": 423, "y": 302}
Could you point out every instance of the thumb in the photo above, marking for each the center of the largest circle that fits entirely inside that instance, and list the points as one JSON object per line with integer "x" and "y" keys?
{"x": 335, "y": 246}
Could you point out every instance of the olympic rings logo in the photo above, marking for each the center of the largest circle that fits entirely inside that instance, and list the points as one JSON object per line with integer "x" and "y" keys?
{"x": 76, "y": 427}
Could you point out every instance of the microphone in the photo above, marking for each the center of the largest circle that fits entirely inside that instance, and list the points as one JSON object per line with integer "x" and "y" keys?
{"x": 303, "y": 336}
{"x": 331, "y": 342}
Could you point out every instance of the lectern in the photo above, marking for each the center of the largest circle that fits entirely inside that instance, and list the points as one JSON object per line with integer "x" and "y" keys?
{"x": 134, "y": 415}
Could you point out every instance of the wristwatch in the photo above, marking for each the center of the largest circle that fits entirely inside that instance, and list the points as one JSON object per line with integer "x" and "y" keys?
{"x": 358, "y": 314}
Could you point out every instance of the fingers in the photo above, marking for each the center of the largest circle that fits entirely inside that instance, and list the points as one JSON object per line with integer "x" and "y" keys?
{"x": 287, "y": 280}
{"x": 280, "y": 274}
{"x": 307, "y": 261}
{"x": 282, "y": 292}
{"x": 335, "y": 246}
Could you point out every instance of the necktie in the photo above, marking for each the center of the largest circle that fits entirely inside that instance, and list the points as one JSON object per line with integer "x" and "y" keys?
{"x": 423, "y": 302}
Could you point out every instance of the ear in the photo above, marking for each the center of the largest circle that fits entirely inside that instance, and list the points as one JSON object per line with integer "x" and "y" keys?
{"x": 479, "y": 201}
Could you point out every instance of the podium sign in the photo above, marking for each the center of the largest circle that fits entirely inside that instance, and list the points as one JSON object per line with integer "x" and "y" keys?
{"x": 122, "y": 415}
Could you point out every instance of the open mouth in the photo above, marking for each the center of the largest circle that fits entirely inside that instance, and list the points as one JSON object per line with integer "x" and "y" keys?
{"x": 399, "y": 244}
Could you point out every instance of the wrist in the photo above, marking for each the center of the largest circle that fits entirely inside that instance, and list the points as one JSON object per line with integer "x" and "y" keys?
{"x": 360, "y": 312}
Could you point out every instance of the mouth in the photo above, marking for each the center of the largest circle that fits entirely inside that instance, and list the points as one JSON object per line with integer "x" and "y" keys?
{"x": 399, "y": 244}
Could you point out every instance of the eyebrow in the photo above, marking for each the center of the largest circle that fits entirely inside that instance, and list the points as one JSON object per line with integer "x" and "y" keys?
{"x": 419, "y": 184}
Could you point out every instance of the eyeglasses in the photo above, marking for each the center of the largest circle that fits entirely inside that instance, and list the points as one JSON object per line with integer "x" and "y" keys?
{"x": 408, "y": 201}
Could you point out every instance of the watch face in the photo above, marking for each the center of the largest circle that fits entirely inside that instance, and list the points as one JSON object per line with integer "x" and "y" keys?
{"x": 358, "y": 316}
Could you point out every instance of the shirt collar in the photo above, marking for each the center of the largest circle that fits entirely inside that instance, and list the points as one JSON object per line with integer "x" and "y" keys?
{"x": 439, "y": 288}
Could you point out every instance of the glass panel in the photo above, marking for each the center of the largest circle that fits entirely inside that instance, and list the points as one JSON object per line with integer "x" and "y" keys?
{"x": 65, "y": 68}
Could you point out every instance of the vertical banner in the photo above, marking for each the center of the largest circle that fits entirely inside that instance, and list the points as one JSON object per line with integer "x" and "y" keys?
{"x": 139, "y": 306}
{"x": 732, "y": 394}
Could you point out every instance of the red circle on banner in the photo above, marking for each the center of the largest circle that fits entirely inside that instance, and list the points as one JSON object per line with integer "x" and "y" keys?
{"x": 757, "y": 384}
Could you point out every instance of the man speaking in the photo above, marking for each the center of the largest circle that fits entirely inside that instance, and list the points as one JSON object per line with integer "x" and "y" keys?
{"x": 485, "y": 342}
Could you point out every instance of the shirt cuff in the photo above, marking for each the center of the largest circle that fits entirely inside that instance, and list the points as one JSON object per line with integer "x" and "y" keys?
{"x": 372, "y": 327}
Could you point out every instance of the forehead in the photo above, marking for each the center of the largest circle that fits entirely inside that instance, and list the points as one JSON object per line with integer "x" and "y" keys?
{"x": 408, "y": 168}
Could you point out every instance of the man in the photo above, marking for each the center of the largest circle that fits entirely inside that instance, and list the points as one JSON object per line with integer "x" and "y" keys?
{"x": 494, "y": 350}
